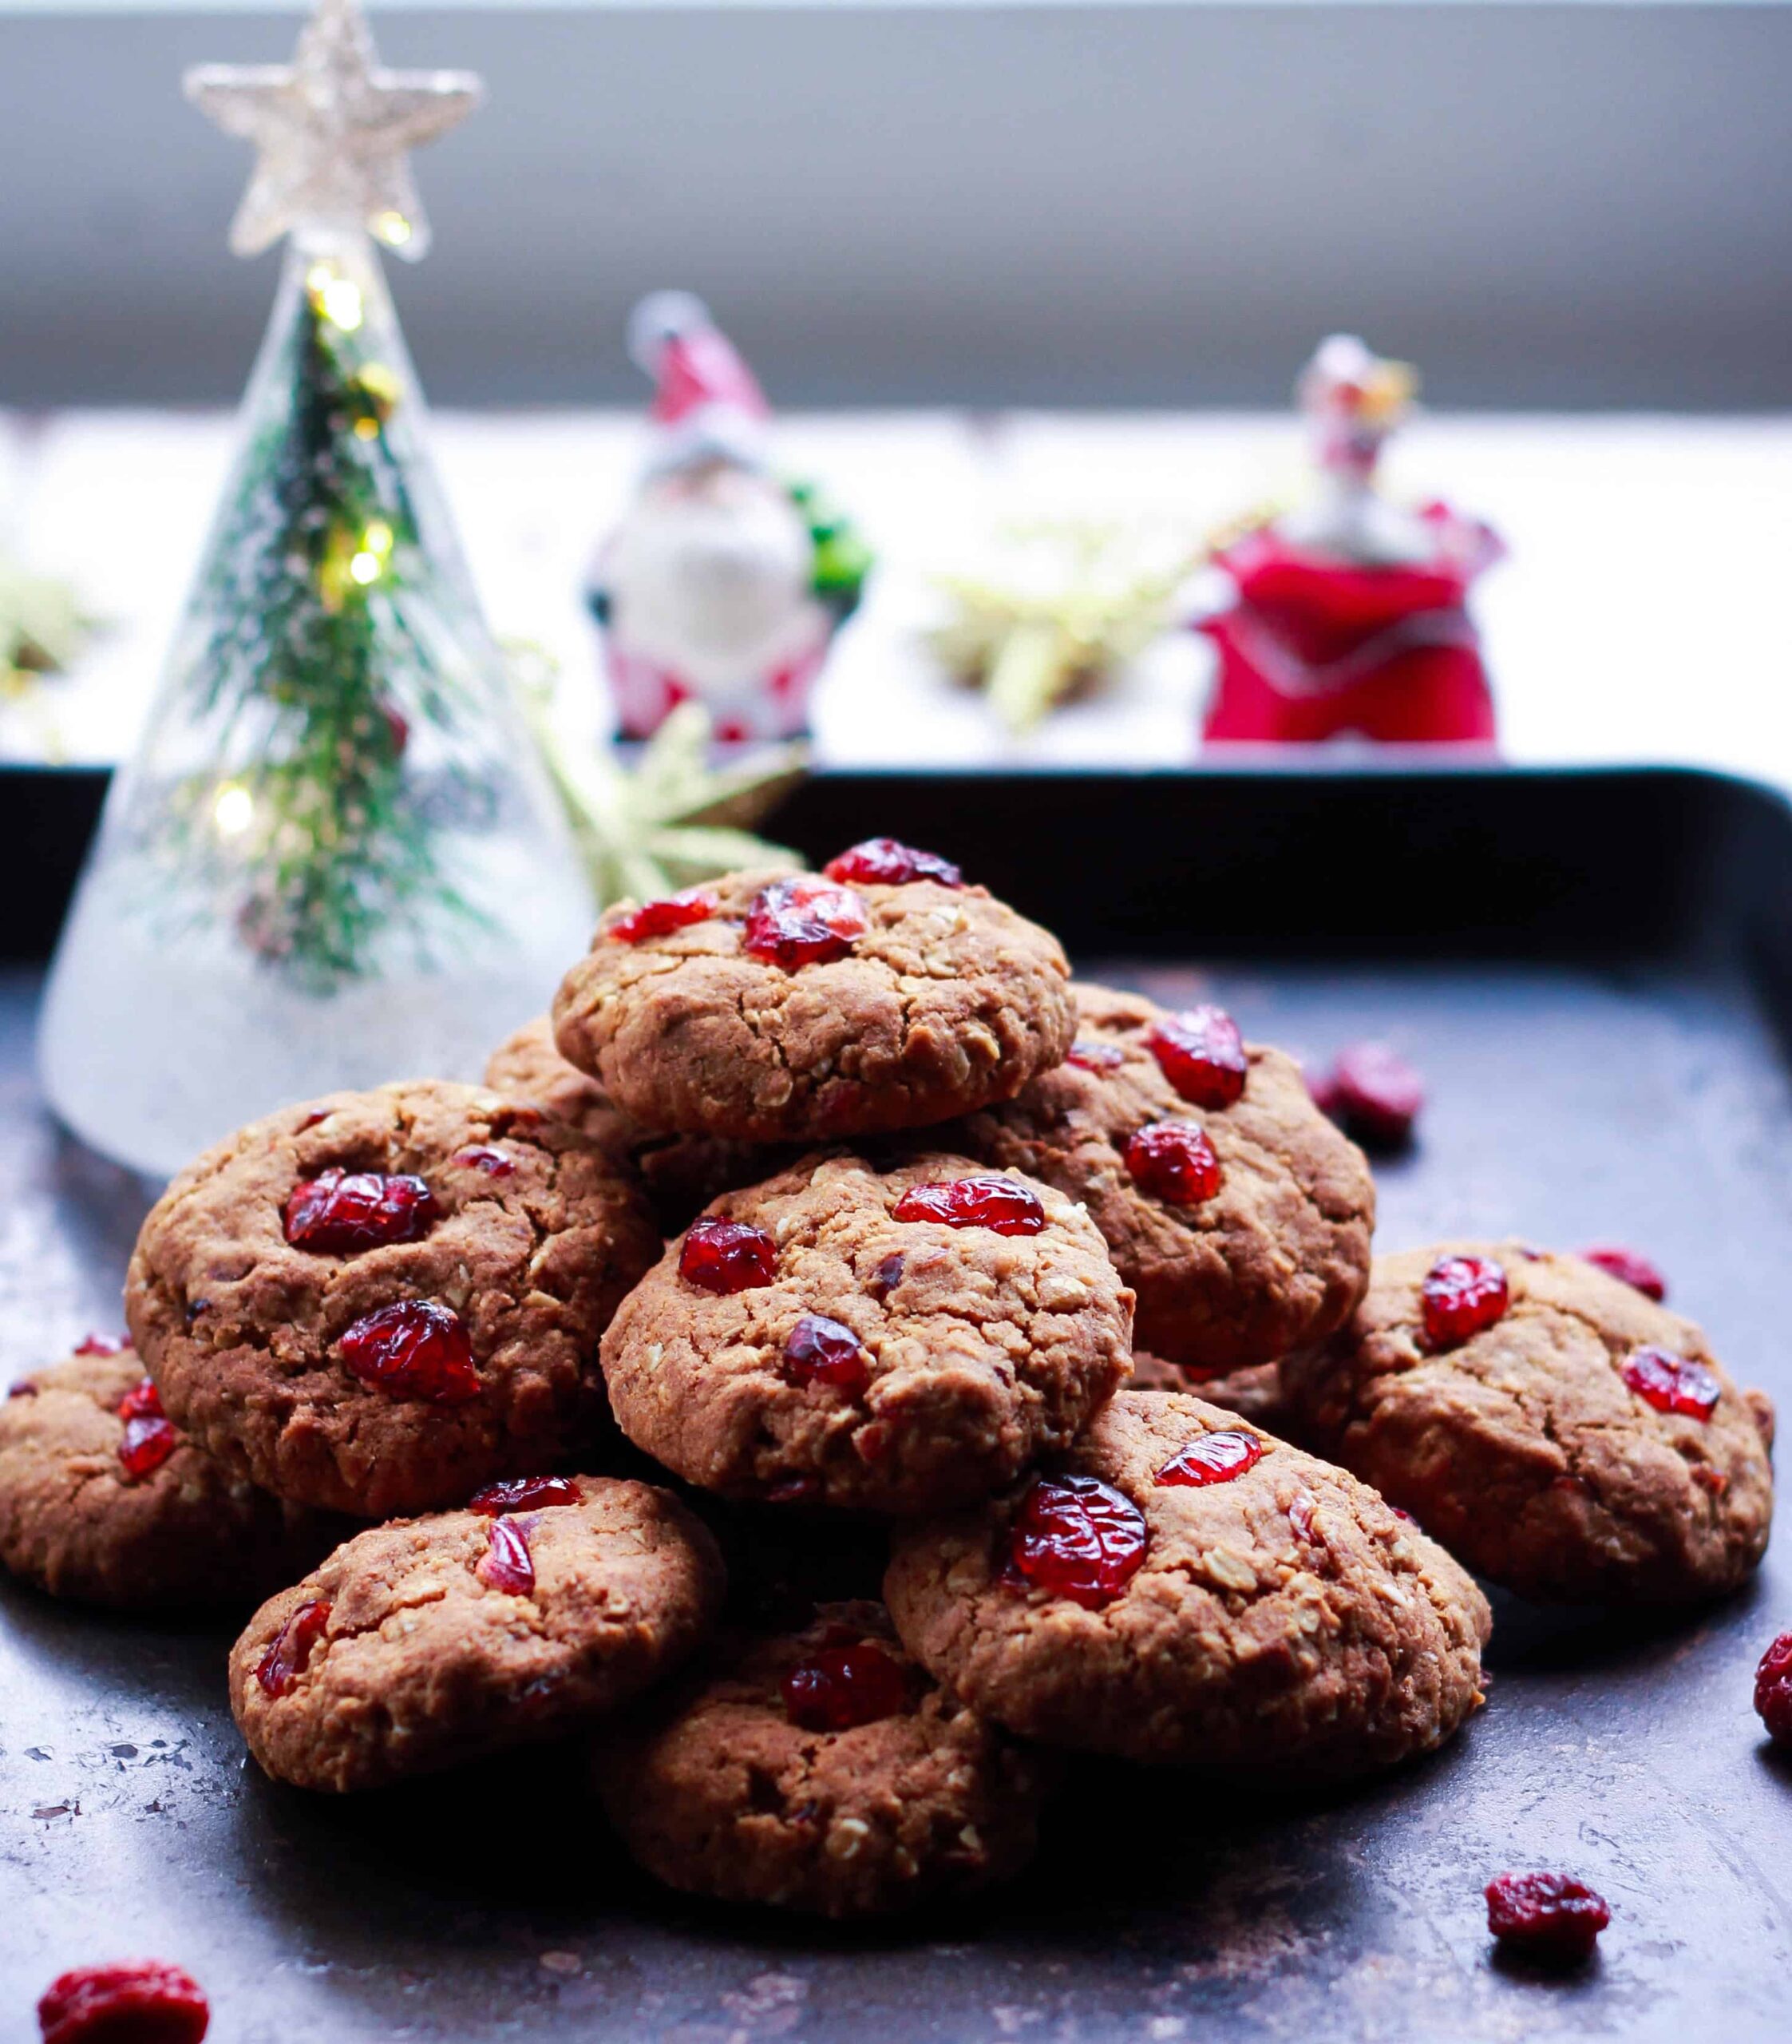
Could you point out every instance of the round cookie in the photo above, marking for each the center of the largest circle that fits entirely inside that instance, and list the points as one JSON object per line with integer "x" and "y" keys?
{"x": 138, "y": 1524}
{"x": 866, "y": 1355}
{"x": 764, "y": 1022}
{"x": 682, "y": 1174}
{"x": 427, "y": 1642}
{"x": 1184, "y": 1588}
{"x": 376, "y": 1302}
{"x": 821, "y": 1771}
{"x": 1272, "y": 1260}
{"x": 1523, "y": 1447}
{"x": 1254, "y": 1394}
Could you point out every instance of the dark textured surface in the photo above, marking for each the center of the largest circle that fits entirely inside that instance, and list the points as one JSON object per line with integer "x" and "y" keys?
{"x": 1646, "y": 1100}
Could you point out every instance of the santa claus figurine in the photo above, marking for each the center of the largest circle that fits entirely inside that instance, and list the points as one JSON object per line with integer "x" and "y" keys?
{"x": 1349, "y": 617}
{"x": 722, "y": 585}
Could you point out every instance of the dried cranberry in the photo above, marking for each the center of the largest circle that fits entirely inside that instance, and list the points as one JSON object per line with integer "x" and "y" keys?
{"x": 1001, "y": 1204}
{"x": 289, "y": 1652}
{"x": 1672, "y": 1384}
{"x": 102, "y": 1344}
{"x": 726, "y": 1256}
{"x": 824, "y": 1350}
{"x": 839, "y": 1687}
{"x": 1077, "y": 1537}
{"x": 1214, "y": 1457}
{"x": 1374, "y": 1093}
{"x": 131, "y": 2001}
{"x": 1093, "y": 1056}
{"x": 1551, "y": 1914}
{"x": 524, "y": 1494}
{"x": 414, "y": 1348}
{"x": 1463, "y": 1296}
{"x": 507, "y": 1563}
{"x": 886, "y": 863}
{"x": 1174, "y": 1162}
{"x": 805, "y": 921}
{"x": 887, "y": 1275}
{"x": 142, "y": 1401}
{"x": 1773, "y": 1690}
{"x": 146, "y": 1445}
{"x": 339, "y": 1212}
{"x": 482, "y": 1157}
{"x": 660, "y": 918}
{"x": 1202, "y": 1056}
{"x": 1630, "y": 1266}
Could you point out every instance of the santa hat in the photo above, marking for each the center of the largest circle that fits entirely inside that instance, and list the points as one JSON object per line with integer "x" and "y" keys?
{"x": 707, "y": 403}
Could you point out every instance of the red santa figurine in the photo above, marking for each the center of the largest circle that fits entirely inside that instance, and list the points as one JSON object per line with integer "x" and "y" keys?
{"x": 722, "y": 583}
{"x": 1350, "y": 614}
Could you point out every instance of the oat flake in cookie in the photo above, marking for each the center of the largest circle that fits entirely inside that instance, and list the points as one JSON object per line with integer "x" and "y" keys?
{"x": 1183, "y": 1588}
{"x": 1557, "y": 1430}
{"x": 376, "y": 1302}
{"x": 821, "y": 1771}
{"x": 806, "y": 1008}
{"x": 898, "y": 1340}
{"x": 428, "y": 1642}
{"x": 1237, "y": 1212}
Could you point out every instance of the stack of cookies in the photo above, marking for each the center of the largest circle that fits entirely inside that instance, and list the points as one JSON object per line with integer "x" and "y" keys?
{"x": 828, "y": 1527}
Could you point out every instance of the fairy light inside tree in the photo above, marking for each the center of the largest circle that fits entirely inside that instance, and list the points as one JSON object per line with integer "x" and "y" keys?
{"x": 334, "y": 859}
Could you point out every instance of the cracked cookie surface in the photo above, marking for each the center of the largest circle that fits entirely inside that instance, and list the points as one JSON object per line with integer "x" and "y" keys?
{"x": 725, "y": 1796}
{"x": 947, "y": 1001}
{"x": 423, "y": 1658}
{"x": 529, "y": 1239}
{"x": 180, "y": 1534}
{"x": 975, "y": 1351}
{"x": 1524, "y": 1451}
{"x": 1285, "y": 1618}
{"x": 1274, "y": 1260}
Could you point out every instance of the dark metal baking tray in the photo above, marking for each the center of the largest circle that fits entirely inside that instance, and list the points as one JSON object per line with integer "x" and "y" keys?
{"x": 1591, "y": 970}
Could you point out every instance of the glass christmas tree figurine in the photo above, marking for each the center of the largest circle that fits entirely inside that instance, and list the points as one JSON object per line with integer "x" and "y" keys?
{"x": 334, "y": 859}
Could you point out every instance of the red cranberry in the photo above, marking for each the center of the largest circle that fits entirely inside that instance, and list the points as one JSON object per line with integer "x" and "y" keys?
{"x": 414, "y": 1348}
{"x": 1092, "y": 1056}
{"x": 824, "y": 1350}
{"x": 132, "y": 2000}
{"x": 661, "y": 918}
{"x": 102, "y": 1344}
{"x": 482, "y": 1157}
{"x": 885, "y": 862}
{"x": 805, "y": 921}
{"x": 887, "y": 1275}
{"x": 1374, "y": 1093}
{"x": 1215, "y": 1458}
{"x": 339, "y": 1212}
{"x": 1174, "y": 1162}
{"x": 1773, "y": 1690}
{"x": 290, "y": 1651}
{"x": 726, "y": 1256}
{"x": 1672, "y": 1384}
{"x": 1001, "y": 1204}
{"x": 839, "y": 1687}
{"x": 507, "y": 1563}
{"x": 146, "y": 1445}
{"x": 1463, "y": 1296}
{"x": 1630, "y": 1266}
{"x": 142, "y": 1401}
{"x": 1202, "y": 1056}
{"x": 1077, "y": 1537}
{"x": 1551, "y": 1915}
{"x": 524, "y": 1494}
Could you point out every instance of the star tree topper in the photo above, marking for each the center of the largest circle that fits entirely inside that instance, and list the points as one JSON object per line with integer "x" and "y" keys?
{"x": 333, "y": 129}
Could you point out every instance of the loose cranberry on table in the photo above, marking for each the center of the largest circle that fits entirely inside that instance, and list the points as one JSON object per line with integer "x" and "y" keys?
{"x": 1215, "y": 1458}
{"x": 414, "y": 1348}
{"x": 660, "y": 918}
{"x": 131, "y": 2001}
{"x": 803, "y": 922}
{"x": 1549, "y": 1915}
{"x": 1773, "y": 1690}
{"x": 1630, "y": 1266}
{"x": 994, "y": 1202}
{"x": 1175, "y": 1162}
{"x": 726, "y": 1256}
{"x": 838, "y": 1688}
{"x": 1202, "y": 1056}
{"x": 1462, "y": 1297}
{"x": 1373, "y": 1094}
{"x": 823, "y": 1351}
{"x": 338, "y": 1212}
{"x": 1672, "y": 1384}
{"x": 1077, "y": 1537}
{"x": 507, "y": 1563}
{"x": 289, "y": 1652}
{"x": 886, "y": 862}
{"x": 524, "y": 1494}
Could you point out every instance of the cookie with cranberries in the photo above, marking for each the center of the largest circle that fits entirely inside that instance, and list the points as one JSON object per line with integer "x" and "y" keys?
{"x": 823, "y": 1771}
{"x": 376, "y": 1302}
{"x": 806, "y": 1008}
{"x": 1254, "y": 1394}
{"x": 1556, "y": 1429}
{"x": 1181, "y": 1587}
{"x": 426, "y": 1642}
{"x": 103, "y": 1500}
{"x": 1237, "y": 1212}
{"x": 897, "y": 1339}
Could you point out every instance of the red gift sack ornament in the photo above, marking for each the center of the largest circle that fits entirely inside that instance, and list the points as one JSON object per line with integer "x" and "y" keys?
{"x": 1351, "y": 615}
